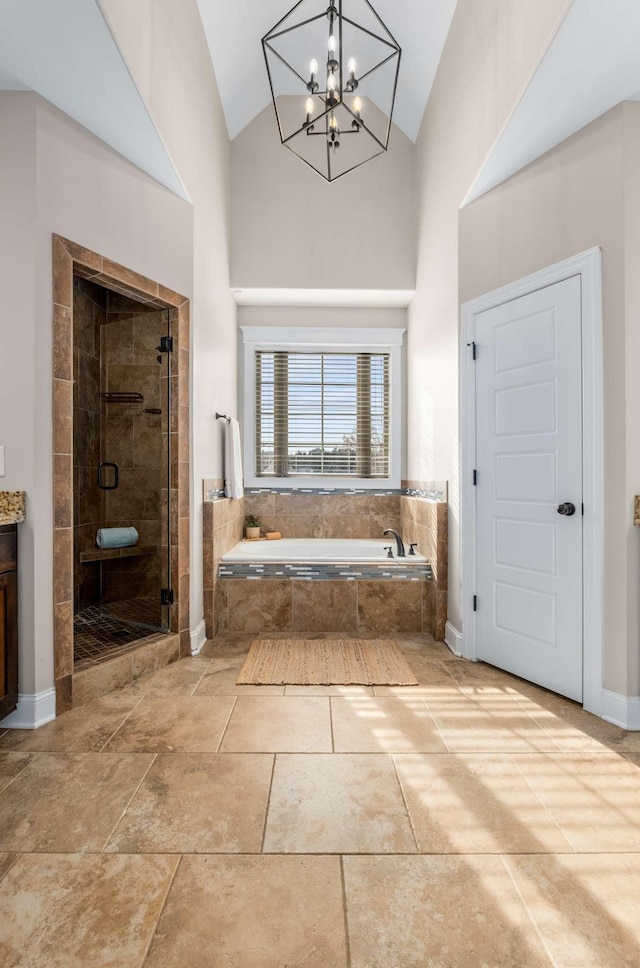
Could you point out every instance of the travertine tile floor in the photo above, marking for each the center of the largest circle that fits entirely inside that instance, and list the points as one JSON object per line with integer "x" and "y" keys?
{"x": 473, "y": 820}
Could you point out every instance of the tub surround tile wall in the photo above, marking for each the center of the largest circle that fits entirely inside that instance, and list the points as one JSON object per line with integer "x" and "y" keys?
{"x": 223, "y": 528}
{"x": 387, "y": 571}
{"x": 70, "y": 259}
{"x": 636, "y": 516}
{"x": 317, "y": 515}
{"x": 13, "y": 507}
{"x": 364, "y": 606}
{"x": 426, "y": 523}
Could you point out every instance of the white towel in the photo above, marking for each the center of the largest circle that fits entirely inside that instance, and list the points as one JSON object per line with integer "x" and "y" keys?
{"x": 233, "y": 461}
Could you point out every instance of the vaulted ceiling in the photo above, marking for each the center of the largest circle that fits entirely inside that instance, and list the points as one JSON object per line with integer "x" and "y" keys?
{"x": 234, "y": 31}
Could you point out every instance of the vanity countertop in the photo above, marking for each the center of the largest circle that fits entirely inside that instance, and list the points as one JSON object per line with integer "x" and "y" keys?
{"x": 636, "y": 518}
{"x": 13, "y": 506}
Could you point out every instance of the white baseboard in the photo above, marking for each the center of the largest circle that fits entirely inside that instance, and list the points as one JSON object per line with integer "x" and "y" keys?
{"x": 453, "y": 639}
{"x": 623, "y": 711}
{"x": 198, "y": 638}
{"x": 33, "y": 710}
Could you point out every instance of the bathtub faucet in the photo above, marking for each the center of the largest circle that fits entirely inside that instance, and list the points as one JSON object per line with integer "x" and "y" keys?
{"x": 400, "y": 552}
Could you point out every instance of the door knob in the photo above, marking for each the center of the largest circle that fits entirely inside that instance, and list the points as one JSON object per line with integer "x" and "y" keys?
{"x": 568, "y": 509}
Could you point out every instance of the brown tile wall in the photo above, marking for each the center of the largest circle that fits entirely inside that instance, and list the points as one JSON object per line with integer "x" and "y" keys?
{"x": 239, "y": 605}
{"x": 136, "y": 441}
{"x": 320, "y": 606}
{"x": 223, "y": 524}
{"x": 325, "y": 515}
{"x": 426, "y": 523}
{"x": 89, "y": 314}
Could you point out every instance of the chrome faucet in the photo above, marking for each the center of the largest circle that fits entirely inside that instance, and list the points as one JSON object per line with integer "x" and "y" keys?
{"x": 400, "y": 552}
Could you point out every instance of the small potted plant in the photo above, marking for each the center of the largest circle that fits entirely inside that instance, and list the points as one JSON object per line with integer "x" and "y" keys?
{"x": 252, "y": 527}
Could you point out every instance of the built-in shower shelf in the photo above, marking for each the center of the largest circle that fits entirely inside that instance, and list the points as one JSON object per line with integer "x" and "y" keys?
{"x": 123, "y": 397}
{"x": 108, "y": 554}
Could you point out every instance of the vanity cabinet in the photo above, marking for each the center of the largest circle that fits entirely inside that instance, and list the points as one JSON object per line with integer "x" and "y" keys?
{"x": 8, "y": 619}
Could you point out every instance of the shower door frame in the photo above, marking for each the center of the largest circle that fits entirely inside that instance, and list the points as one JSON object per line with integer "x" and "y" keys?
{"x": 69, "y": 260}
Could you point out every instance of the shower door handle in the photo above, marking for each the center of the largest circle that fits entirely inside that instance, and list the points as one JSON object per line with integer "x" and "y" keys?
{"x": 101, "y": 476}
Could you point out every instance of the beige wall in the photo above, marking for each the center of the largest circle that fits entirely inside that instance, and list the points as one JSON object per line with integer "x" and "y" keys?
{"x": 291, "y": 229}
{"x": 492, "y": 51}
{"x": 165, "y": 48}
{"x": 55, "y": 177}
{"x": 571, "y": 200}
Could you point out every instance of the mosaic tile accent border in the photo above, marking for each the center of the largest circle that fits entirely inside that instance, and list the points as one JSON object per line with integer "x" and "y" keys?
{"x": 426, "y": 490}
{"x": 325, "y": 572}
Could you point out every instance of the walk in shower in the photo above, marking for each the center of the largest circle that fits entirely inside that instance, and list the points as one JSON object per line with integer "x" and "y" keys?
{"x": 122, "y": 459}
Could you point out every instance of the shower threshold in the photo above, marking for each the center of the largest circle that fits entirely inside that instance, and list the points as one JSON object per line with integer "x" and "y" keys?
{"x": 98, "y": 636}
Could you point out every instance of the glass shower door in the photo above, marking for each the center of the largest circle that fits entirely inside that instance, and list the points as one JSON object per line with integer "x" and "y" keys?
{"x": 135, "y": 475}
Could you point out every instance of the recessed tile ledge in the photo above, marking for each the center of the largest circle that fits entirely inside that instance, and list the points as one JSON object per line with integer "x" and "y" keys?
{"x": 13, "y": 507}
{"x": 636, "y": 516}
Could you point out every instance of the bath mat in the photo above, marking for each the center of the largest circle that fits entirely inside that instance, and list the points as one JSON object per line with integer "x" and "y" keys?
{"x": 325, "y": 662}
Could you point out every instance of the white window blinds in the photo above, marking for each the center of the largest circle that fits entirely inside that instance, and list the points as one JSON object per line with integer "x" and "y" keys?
{"x": 320, "y": 414}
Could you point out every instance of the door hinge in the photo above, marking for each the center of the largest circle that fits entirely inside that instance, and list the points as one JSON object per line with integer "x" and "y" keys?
{"x": 166, "y": 596}
{"x": 166, "y": 344}
{"x": 475, "y": 478}
{"x": 475, "y": 603}
{"x": 474, "y": 350}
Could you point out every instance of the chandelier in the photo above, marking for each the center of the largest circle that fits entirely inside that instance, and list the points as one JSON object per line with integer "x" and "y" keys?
{"x": 333, "y": 73}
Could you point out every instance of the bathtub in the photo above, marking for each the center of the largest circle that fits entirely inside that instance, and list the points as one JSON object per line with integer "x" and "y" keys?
{"x": 323, "y": 585}
{"x": 320, "y": 550}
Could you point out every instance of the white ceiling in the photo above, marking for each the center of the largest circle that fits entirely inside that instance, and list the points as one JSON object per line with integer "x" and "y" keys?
{"x": 234, "y": 31}
{"x": 592, "y": 64}
{"x": 64, "y": 50}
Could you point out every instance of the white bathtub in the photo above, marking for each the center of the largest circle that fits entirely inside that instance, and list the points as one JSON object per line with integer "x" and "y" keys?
{"x": 310, "y": 550}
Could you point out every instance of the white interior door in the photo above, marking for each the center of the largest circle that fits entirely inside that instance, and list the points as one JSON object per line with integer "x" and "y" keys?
{"x": 529, "y": 466}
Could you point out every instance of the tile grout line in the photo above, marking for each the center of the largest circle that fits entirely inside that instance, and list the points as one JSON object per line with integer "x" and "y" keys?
{"x": 512, "y": 757}
{"x": 266, "y": 812}
{"x": 406, "y": 805}
{"x": 333, "y": 742}
{"x": 435, "y": 722}
{"x": 345, "y": 912}
{"x": 199, "y": 682}
{"x": 13, "y": 779}
{"x": 128, "y": 804}
{"x": 529, "y": 913}
{"x": 161, "y": 911}
{"x": 118, "y": 728}
{"x": 226, "y": 725}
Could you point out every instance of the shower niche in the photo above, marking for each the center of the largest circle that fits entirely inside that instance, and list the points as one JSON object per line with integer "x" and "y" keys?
{"x": 123, "y": 418}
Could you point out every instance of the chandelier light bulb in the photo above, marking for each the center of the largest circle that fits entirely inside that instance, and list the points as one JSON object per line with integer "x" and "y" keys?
{"x": 309, "y": 106}
{"x": 333, "y": 44}
{"x": 352, "y": 66}
{"x": 357, "y": 107}
{"x": 313, "y": 67}
{"x": 331, "y": 83}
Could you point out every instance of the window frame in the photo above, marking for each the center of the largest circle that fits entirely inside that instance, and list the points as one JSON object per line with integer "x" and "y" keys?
{"x": 314, "y": 340}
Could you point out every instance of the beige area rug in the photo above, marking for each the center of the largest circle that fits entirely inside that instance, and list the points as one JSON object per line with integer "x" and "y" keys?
{"x": 325, "y": 662}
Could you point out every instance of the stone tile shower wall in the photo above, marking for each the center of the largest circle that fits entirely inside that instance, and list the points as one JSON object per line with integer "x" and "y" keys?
{"x": 136, "y": 442}
{"x": 89, "y": 316}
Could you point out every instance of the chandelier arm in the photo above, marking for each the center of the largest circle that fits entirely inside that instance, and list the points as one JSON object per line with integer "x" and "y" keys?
{"x": 378, "y": 66}
{"x": 382, "y": 24}
{"x": 303, "y": 23}
{"x": 393, "y": 97}
{"x": 283, "y": 61}
{"x": 280, "y": 22}
{"x": 364, "y": 30}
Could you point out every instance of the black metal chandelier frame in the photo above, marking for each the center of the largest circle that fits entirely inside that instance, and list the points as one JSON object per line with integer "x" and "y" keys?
{"x": 333, "y": 13}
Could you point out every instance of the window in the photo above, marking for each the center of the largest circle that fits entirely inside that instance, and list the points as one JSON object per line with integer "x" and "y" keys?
{"x": 317, "y": 412}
